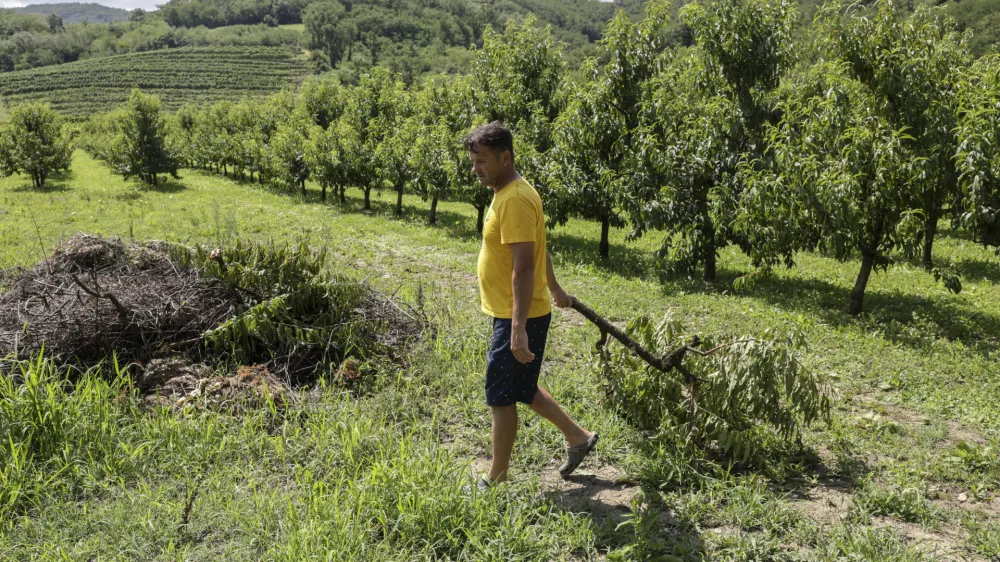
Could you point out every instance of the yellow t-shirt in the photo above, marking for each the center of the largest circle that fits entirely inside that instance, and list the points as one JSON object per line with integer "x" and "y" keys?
{"x": 514, "y": 216}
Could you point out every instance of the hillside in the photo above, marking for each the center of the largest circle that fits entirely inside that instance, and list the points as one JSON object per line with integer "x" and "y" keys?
{"x": 74, "y": 12}
{"x": 178, "y": 76}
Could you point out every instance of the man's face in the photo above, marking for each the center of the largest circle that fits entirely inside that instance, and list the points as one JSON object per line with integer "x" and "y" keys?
{"x": 489, "y": 166}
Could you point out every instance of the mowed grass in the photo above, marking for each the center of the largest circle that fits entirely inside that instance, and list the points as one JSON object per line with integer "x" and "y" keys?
{"x": 908, "y": 470}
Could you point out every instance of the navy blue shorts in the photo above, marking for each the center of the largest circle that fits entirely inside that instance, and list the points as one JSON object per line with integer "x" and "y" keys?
{"x": 507, "y": 379}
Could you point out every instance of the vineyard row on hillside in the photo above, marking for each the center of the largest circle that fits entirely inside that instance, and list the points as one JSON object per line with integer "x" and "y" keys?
{"x": 178, "y": 76}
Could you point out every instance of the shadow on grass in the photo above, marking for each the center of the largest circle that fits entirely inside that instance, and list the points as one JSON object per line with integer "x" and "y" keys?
{"x": 456, "y": 225}
{"x": 627, "y": 261}
{"x": 54, "y": 184}
{"x": 987, "y": 270}
{"x": 383, "y": 205}
{"x": 604, "y": 503}
{"x": 945, "y": 231}
{"x": 170, "y": 185}
{"x": 899, "y": 317}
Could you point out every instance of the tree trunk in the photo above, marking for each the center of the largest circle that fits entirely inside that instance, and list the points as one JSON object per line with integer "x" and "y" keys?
{"x": 323, "y": 196}
{"x": 302, "y": 183}
{"x": 399, "y": 199}
{"x": 434, "y": 210}
{"x": 479, "y": 220}
{"x": 930, "y": 231}
{"x": 225, "y": 171}
{"x": 708, "y": 247}
{"x": 343, "y": 195}
{"x": 858, "y": 294}
{"x": 605, "y": 227}
{"x": 368, "y": 199}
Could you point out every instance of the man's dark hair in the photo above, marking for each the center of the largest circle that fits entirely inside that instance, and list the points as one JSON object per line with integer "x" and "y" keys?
{"x": 493, "y": 136}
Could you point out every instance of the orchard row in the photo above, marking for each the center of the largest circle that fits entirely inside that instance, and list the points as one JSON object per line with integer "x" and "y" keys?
{"x": 856, "y": 138}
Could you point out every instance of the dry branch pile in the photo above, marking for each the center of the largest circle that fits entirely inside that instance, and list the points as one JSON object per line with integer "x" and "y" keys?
{"x": 194, "y": 317}
{"x": 97, "y": 295}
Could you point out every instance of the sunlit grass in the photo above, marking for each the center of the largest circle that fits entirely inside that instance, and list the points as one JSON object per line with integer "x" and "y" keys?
{"x": 382, "y": 474}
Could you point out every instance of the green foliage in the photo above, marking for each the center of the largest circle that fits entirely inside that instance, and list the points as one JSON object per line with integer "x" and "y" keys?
{"x": 324, "y": 22}
{"x": 748, "y": 391}
{"x": 643, "y": 522}
{"x": 840, "y": 183}
{"x": 982, "y": 19}
{"x": 438, "y": 163}
{"x": 977, "y": 158}
{"x": 906, "y": 502}
{"x": 371, "y": 113}
{"x": 984, "y": 537}
{"x": 300, "y": 317}
{"x": 134, "y": 140}
{"x": 322, "y": 99}
{"x": 516, "y": 77}
{"x": 288, "y": 165}
{"x": 324, "y": 158}
{"x": 34, "y": 142}
{"x": 911, "y": 64}
{"x": 706, "y": 114}
{"x": 870, "y": 544}
{"x": 748, "y": 43}
{"x": 592, "y": 160}
{"x": 394, "y": 150}
{"x": 51, "y": 428}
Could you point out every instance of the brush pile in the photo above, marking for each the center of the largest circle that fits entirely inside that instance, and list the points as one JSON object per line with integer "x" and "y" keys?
{"x": 191, "y": 314}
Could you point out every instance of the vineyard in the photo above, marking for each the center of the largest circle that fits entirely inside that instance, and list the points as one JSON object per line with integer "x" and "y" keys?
{"x": 178, "y": 76}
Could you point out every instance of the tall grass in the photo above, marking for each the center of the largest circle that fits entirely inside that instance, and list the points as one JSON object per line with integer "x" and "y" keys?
{"x": 55, "y": 434}
{"x": 336, "y": 476}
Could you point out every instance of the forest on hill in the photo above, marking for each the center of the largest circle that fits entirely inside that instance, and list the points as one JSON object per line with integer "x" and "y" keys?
{"x": 410, "y": 36}
{"x": 413, "y": 37}
{"x": 77, "y": 12}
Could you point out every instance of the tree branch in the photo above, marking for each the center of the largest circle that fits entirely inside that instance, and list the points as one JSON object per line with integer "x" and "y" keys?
{"x": 122, "y": 311}
{"x": 670, "y": 361}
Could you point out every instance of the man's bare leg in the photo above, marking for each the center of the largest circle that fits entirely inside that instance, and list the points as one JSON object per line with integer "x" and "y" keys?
{"x": 546, "y": 406}
{"x": 504, "y": 432}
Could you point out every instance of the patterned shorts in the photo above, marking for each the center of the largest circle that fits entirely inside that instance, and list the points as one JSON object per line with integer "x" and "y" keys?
{"x": 507, "y": 379}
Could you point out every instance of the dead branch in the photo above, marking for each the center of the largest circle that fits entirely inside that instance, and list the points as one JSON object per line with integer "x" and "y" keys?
{"x": 122, "y": 311}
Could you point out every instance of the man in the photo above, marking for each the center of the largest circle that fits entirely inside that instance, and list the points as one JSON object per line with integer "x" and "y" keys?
{"x": 515, "y": 281}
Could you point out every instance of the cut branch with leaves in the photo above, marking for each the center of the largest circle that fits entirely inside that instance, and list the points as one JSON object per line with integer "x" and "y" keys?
{"x": 733, "y": 398}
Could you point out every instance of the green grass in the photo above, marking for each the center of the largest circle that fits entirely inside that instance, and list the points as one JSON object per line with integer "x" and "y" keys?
{"x": 179, "y": 76}
{"x": 382, "y": 474}
{"x": 300, "y": 27}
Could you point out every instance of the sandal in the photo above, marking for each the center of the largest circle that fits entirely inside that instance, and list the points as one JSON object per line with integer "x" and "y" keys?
{"x": 483, "y": 486}
{"x": 575, "y": 456}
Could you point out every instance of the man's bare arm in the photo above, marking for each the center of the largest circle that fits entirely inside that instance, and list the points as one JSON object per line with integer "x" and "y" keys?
{"x": 559, "y": 296}
{"x": 523, "y": 285}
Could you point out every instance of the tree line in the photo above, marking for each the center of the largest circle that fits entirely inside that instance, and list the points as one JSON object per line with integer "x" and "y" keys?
{"x": 412, "y": 37}
{"x": 855, "y": 141}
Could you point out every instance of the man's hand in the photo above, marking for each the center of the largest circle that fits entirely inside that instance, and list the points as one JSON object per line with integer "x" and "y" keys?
{"x": 561, "y": 298}
{"x": 519, "y": 345}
